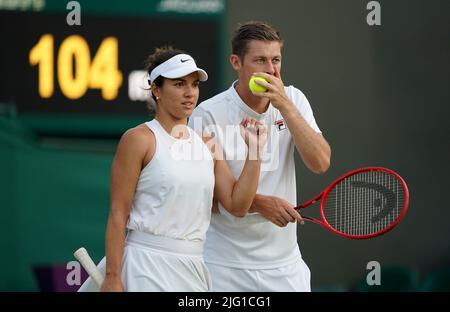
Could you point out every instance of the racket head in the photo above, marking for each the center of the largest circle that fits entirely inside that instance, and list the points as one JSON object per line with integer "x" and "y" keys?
{"x": 365, "y": 203}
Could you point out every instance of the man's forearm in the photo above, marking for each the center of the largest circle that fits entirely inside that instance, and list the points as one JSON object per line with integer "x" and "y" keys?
{"x": 312, "y": 147}
{"x": 255, "y": 207}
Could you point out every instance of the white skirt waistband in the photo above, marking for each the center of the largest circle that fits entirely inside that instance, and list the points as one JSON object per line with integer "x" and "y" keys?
{"x": 165, "y": 244}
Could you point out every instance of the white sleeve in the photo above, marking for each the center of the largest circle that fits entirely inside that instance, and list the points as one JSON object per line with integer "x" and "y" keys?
{"x": 301, "y": 102}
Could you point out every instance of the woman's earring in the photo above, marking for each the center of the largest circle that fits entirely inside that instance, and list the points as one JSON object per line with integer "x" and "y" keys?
{"x": 157, "y": 98}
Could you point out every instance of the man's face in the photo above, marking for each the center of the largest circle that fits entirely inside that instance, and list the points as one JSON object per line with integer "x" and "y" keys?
{"x": 262, "y": 56}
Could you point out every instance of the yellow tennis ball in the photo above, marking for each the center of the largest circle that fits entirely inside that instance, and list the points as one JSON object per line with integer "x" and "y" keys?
{"x": 254, "y": 87}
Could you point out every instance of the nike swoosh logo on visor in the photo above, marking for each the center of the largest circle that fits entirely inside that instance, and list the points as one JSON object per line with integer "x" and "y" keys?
{"x": 182, "y": 61}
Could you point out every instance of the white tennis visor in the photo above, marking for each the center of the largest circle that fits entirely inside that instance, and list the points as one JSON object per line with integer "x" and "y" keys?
{"x": 176, "y": 67}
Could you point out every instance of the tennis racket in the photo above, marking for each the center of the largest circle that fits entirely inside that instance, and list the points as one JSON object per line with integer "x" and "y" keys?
{"x": 363, "y": 203}
{"x": 85, "y": 260}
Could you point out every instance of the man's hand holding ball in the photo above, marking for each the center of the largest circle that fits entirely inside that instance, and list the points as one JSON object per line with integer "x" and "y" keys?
{"x": 254, "y": 87}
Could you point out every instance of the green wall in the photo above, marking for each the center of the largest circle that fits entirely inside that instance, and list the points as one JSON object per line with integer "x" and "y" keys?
{"x": 53, "y": 201}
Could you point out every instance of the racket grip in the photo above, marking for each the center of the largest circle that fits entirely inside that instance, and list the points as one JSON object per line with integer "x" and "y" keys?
{"x": 86, "y": 261}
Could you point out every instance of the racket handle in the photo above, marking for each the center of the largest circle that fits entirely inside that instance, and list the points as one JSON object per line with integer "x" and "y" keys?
{"x": 86, "y": 261}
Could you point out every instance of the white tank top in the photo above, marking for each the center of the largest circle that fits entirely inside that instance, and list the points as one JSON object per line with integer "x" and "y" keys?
{"x": 174, "y": 192}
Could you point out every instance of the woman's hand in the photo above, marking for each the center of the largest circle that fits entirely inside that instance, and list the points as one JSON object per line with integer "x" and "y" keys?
{"x": 254, "y": 134}
{"x": 111, "y": 284}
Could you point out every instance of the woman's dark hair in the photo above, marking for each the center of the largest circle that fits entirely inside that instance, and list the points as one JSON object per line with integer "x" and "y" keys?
{"x": 158, "y": 57}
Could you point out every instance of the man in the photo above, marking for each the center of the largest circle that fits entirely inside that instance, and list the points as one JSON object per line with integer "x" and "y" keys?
{"x": 257, "y": 250}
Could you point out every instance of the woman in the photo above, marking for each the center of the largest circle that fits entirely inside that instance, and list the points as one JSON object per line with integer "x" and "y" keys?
{"x": 163, "y": 180}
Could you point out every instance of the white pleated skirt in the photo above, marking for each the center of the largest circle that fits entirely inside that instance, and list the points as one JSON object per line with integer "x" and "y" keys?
{"x": 154, "y": 263}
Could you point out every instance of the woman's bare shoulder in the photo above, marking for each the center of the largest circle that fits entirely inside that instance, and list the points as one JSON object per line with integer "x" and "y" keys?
{"x": 139, "y": 138}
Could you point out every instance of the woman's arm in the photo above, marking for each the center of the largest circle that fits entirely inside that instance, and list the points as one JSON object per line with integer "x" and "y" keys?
{"x": 237, "y": 196}
{"x": 126, "y": 168}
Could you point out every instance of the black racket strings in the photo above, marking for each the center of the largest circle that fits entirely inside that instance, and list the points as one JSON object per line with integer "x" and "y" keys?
{"x": 365, "y": 203}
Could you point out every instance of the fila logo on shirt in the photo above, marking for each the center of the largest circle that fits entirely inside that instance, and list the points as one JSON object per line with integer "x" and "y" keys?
{"x": 281, "y": 125}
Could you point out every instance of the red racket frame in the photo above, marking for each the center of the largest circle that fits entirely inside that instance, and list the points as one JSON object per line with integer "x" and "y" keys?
{"x": 324, "y": 195}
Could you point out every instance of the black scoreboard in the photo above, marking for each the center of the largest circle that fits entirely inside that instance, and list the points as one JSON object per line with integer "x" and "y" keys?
{"x": 74, "y": 80}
